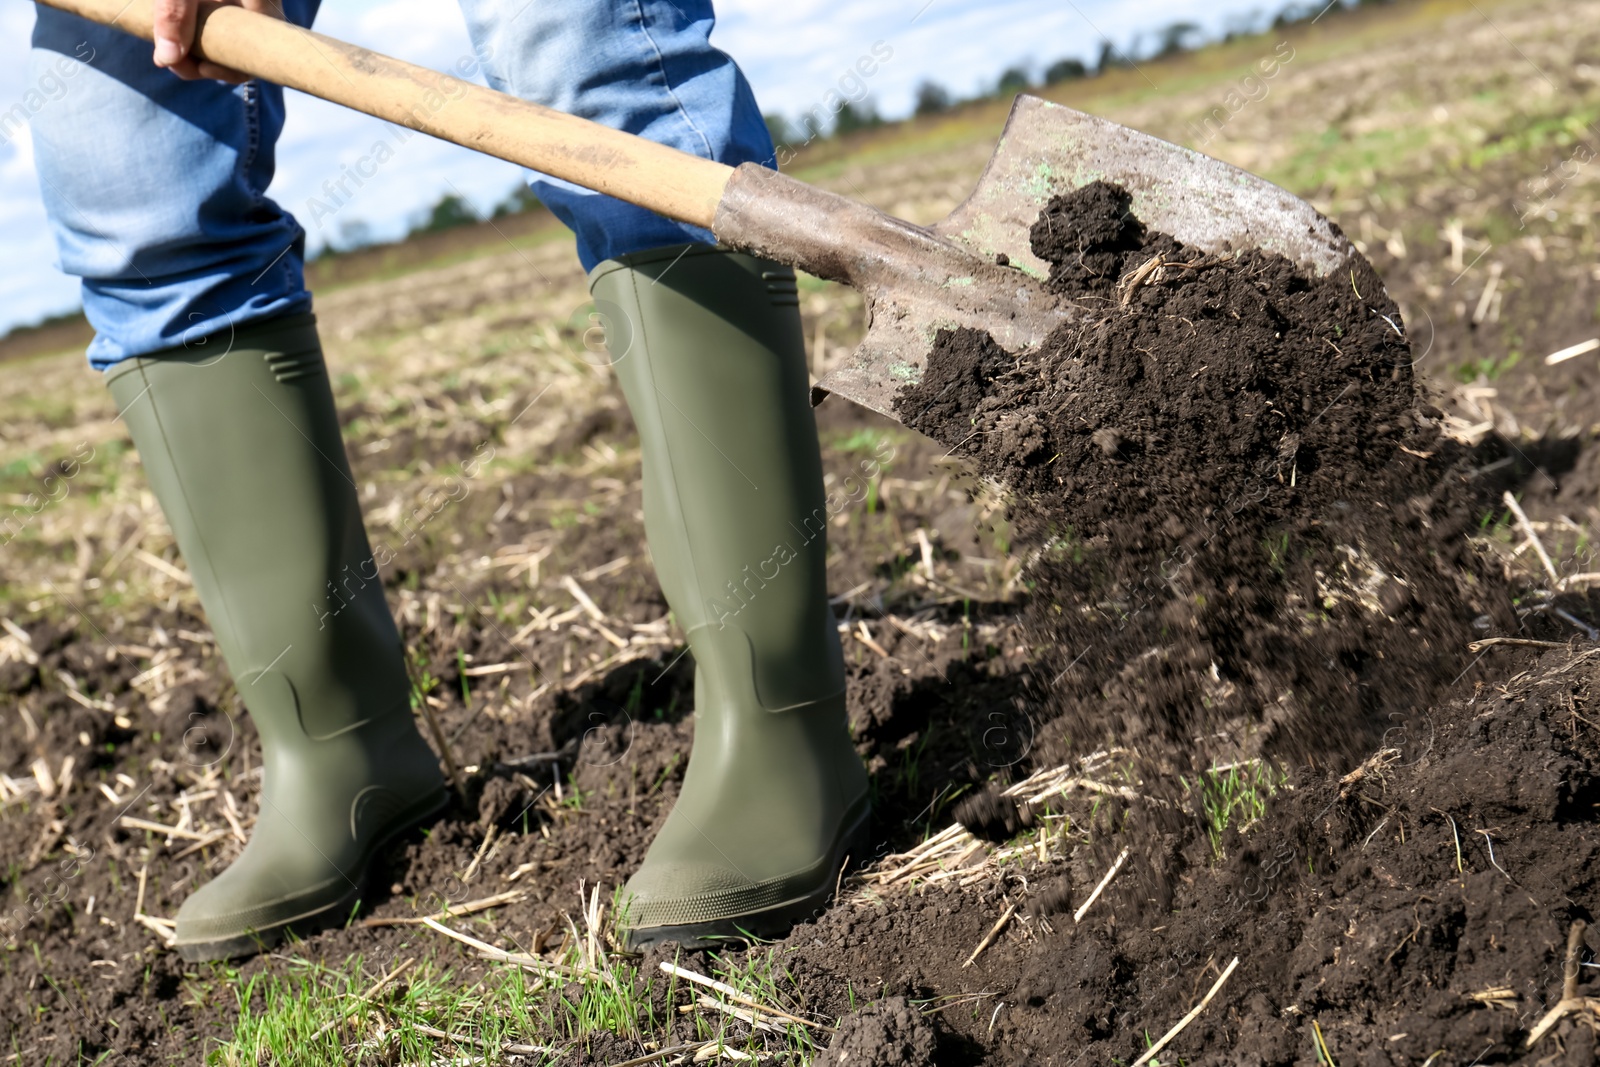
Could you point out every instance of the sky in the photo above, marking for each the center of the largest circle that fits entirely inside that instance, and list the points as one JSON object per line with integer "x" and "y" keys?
{"x": 793, "y": 53}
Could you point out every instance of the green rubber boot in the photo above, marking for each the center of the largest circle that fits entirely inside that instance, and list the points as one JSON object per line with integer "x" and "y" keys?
{"x": 242, "y": 449}
{"x": 707, "y": 345}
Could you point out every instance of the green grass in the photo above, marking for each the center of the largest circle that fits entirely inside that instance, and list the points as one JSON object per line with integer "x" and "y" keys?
{"x": 1488, "y": 367}
{"x": 306, "y": 1012}
{"x": 423, "y": 681}
{"x": 1277, "y": 550}
{"x": 867, "y": 439}
{"x": 758, "y": 975}
{"x": 1236, "y": 796}
{"x": 310, "y": 1012}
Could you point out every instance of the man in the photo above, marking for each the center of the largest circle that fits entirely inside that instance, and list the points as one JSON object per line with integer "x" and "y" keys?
{"x": 155, "y": 177}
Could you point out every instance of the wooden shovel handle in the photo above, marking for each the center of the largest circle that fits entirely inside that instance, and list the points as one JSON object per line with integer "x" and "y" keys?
{"x": 665, "y": 180}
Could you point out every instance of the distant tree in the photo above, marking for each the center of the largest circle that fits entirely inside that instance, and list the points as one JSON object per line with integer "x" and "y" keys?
{"x": 1242, "y": 25}
{"x": 1176, "y": 38}
{"x": 1295, "y": 13}
{"x": 519, "y": 199}
{"x": 1110, "y": 58}
{"x": 780, "y": 129}
{"x": 1013, "y": 81}
{"x": 932, "y": 98}
{"x": 353, "y": 234}
{"x": 450, "y": 211}
{"x": 856, "y": 116}
{"x": 1063, "y": 70}
{"x": 43, "y": 323}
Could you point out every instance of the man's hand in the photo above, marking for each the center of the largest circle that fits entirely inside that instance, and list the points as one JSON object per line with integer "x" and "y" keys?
{"x": 174, "y": 26}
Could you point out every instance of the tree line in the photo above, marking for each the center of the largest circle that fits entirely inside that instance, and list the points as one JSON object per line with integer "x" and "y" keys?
{"x": 929, "y": 98}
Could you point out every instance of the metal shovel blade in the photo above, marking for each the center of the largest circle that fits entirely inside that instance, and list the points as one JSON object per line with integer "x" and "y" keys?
{"x": 919, "y": 280}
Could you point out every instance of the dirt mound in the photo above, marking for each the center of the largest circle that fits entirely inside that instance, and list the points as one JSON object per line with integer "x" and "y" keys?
{"x": 1246, "y": 516}
{"x": 1418, "y": 905}
{"x": 888, "y": 1033}
{"x": 1252, "y": 539}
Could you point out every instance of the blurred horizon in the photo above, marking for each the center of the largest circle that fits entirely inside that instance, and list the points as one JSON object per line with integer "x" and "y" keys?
{"x": 800, "y": 57}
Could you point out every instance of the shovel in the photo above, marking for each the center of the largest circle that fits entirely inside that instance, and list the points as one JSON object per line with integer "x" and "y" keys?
{"x": 974, "y": 269}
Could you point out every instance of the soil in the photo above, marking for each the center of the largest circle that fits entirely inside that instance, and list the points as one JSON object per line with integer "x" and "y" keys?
{"x": 1248, "y": 539}
{"x": 1252, "y": 533}
{"x": 102, "y": 988}
{"x": 1246, "y": 510}
{"x": 890, "y": 1033}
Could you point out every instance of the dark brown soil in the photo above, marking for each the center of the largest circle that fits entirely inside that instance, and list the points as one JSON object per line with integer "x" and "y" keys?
{"x": 84, "y": 986}
{"x": 1346, "y": 907}
{"x": 1254, "y": 543}
{"x": 1248, "y": 514}
{"x": 1267, "y": 493}
{"x": 889, "y": 1033}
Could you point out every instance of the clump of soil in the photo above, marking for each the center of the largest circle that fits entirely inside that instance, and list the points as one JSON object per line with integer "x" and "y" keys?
{"x": 1412, "y": 905}
{"x": 991, "y": 815}
{"x": 1252, "y": 539}
{"x": 1246, "y": 515}
{"x": 887, "y": 1033}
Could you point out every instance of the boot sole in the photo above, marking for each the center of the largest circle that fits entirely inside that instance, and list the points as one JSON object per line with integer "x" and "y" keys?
{"x": 764, "y": 925}
{"x": 318, "y": 919}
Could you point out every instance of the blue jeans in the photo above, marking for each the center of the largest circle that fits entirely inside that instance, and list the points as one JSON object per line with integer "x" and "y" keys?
{"x": 156, "y": 187}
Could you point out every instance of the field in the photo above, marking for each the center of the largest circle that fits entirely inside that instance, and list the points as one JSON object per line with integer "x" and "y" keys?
{"x": 1415, "y": 898}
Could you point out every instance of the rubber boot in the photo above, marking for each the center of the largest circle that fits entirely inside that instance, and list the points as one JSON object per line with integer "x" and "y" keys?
{"x": 708, "y": 348}
{"x": 241, "y": 445}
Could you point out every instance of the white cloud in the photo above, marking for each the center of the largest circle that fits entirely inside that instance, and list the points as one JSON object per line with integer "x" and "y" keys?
{"x": 793, "y": 53}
